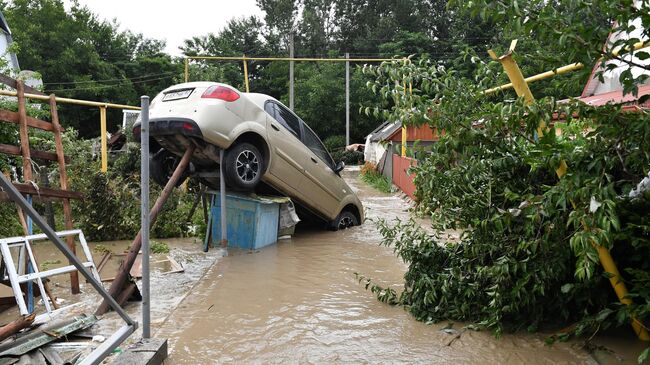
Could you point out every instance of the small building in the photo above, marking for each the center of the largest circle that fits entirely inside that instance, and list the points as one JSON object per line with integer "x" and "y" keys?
{"x": 383, "y": 149}
{"x": 5, "y": 42}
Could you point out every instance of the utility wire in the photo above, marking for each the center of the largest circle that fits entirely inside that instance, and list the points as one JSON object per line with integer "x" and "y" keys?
{"x": 112, "y": 86}
{"x": 109, "y": 80}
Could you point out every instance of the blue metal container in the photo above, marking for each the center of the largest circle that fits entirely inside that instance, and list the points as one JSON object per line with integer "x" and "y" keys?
{"x": 250, "y": 223}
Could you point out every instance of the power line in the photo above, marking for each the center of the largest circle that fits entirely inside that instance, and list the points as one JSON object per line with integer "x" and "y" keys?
{"x": 112, "y": 86}
{"x": 108, "y": 80}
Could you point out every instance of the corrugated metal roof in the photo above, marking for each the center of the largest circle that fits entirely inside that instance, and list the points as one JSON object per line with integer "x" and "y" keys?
{"x": 615, "y": 97}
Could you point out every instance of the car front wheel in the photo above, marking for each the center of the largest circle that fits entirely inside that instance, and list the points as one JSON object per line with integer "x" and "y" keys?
{"x": 345, "y": 219}
{"x": 244, "y": 165}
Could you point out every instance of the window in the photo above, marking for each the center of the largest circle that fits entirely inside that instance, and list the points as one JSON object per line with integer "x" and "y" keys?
{"x": 312, "y": 142}
{"x": 285, "y": 117}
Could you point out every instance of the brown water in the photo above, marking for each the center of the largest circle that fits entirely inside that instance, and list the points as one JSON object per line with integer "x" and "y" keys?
{"x": 299, "y": 302}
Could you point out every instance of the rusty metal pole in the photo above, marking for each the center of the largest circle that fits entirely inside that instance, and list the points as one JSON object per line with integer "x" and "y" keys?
{"x": 123, "y": 271}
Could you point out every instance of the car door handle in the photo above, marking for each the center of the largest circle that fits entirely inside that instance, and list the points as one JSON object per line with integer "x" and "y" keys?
{"x": 314, "y": 160}
{"x": 275, "y": 127}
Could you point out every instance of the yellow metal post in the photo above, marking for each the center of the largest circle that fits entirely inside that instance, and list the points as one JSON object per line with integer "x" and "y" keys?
{"x": 187, "y": 69}
{"x": 245, "y": 73}
{"x": 102, "y": 121}
{"x": 520, "y": 85}
{"x": 619, "y": 287}
{"x": 514, "y": 73}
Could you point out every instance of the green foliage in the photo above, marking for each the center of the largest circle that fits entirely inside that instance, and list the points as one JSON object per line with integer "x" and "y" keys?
{"x": 159, "y": 247}
{"x": 527, "y": 256}
{"x": 83, "y": 57}
{"x": 101, "y": 249}
{"x": 375, "y": 179}
{"x": 333, "y": 143}
{"x": 348, "y": 157}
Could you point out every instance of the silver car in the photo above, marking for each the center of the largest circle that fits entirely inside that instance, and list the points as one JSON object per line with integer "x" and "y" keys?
{"x": 267, "y": 147}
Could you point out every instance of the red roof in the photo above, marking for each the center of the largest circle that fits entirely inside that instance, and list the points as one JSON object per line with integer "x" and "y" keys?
{"x": 617, "y": 97}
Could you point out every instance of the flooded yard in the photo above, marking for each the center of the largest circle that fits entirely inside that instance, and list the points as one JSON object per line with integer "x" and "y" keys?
{"x": 299, "y": 302}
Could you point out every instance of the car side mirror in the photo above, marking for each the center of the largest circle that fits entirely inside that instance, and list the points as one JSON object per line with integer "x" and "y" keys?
{"x": 339, "y": 167}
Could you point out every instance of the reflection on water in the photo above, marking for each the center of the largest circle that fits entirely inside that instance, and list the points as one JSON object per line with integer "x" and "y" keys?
{"x": 299, "y": 302}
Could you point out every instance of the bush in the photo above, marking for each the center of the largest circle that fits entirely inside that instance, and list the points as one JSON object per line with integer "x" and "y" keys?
{"x": 374, "y": 178}
{"x": 348, "y": 157}
{"x": 528, "y": 255}
{"x": 334, "y": 143}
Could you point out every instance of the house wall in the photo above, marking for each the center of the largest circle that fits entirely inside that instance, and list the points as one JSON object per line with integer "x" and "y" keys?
{"x": 8, "y": 58}
{"x": 401, "y": 178}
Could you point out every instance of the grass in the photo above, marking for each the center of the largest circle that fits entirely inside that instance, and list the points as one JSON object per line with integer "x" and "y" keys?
{"x": 45, "y": 265}
{"x": 377, "y": 180}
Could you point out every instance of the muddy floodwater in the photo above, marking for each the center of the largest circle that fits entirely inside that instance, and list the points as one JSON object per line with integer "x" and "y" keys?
{"x": 299, "y": 302}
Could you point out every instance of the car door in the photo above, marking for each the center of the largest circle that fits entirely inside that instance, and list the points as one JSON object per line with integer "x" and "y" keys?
{"x": 284, "y": 133}
{"x": 321, "y": 182}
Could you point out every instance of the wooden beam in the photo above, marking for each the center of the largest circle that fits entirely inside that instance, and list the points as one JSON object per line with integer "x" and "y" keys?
{"x": 43, "y": 155}
{"x": 67, "y": 209}
{"x": 13, "y": 117}
{"x": 11, "y": 82}
{"x": 47, "y": 192}
{"x": 24, "y": 136}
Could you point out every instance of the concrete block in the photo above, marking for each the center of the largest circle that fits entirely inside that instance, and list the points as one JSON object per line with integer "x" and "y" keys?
{"x": 151, "y": 351}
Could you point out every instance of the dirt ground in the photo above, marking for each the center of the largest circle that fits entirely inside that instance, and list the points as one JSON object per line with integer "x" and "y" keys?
{"x": 299, "y": 302}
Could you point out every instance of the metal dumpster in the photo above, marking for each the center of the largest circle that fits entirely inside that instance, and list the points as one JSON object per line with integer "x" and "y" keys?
{"x": 251, "y": 223}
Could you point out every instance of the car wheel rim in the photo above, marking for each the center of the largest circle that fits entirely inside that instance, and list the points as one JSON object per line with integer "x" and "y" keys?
{"x": 248, "y": 166}
{"x": 345, "y": 222}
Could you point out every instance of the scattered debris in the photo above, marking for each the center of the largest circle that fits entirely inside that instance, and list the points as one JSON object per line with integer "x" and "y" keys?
{"x": 41, "y": 336}
{"x": 14, "y": 327}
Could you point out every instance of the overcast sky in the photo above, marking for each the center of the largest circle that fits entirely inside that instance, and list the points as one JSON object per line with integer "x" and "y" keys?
{"x": 173, "y": 21}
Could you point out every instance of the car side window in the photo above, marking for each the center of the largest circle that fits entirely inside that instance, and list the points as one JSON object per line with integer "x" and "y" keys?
{"x": 287, "y": 119}
{"x": 311, "y": 140}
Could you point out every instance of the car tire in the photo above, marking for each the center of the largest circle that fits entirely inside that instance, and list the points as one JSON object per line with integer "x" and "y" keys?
{"x": 161, "y": 167}
{"x": 244, "y": 166}
{"x": 345, "y": 219}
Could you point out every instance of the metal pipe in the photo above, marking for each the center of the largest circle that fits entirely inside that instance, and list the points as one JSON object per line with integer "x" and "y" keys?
{"x": 619, "y": 287}
{"x": 104, "y": 142}
{"x": 245, "y": 73}
{"x": 222, "y": 198}
{"x": 187, "y": 69}
{"x": 71, "y": 101}
{"x": 291, "y": 72}
{"x": 538, "y": 77}
{"x": 347, "y": 99}
{"x": 299, "y": 59}
{"x": 565, "y": 69}
{"x": 144, "y": 215}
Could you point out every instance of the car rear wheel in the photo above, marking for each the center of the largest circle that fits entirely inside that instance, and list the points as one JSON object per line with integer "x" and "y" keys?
{"x": 244, "y": 165}
{"x": 161, "y": 167}
{"x": 345, "y": 219}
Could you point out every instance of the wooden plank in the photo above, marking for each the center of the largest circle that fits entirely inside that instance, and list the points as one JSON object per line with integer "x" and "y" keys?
{"x": 47, "y": 192}
{"x": 24, "y": 136}
{"x": 14, "y": 327}
{"x": 67, "y": 209}
{"x": 15, "y": 151}
{"x": 11, "y": 82}
{"x": 13, "y": 117}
